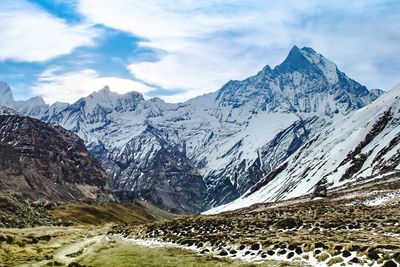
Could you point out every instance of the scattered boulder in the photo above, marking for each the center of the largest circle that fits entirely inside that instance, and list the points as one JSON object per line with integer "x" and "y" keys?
{"x": 204, "y": 251}
{"x": 346, "y": 253}
{"x": 255, "y": 246}
{"x": 282, "y": 251}
{"x": 321, "y": 245}
{"x": 298, "y": 250}
{"x": 355, "y": 260}
{"x": 264, "y": 255}
{"x": 223, "y": 253}
{"x": 373, "y": 255}
{"x": 389, "y": 263}
{"x": 271, "y": 252}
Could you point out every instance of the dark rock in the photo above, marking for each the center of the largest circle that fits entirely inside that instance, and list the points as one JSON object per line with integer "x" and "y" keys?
{"x": 355, "y": 260}
{"x": 282, "y": 251}
{"x": 321, "y": 245}
{"x": 373, "y": 255}
{"x": 346, "y": 253}
{"x": 389, "y": 263}
{"x": 264, "y": 255}
{"x": 355, "y": 248}
{"x": 338, "y": 247}
{"x": 223, "y": 253}
{"x": 271, "y": 252}
{"x": 204, "y": 251}
{"x": 187, "y": 242}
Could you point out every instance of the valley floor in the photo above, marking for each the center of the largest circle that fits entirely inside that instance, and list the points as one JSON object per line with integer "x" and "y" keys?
{"x": 92, "y": 246}
{"x": 357, "y": 225}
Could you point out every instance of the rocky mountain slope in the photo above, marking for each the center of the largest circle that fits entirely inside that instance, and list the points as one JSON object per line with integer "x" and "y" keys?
{"x": 303, "y": 231}
{"x": 38, "y": 161}
{"x": 360, "y": 147}
{"x": 213, "y": 148}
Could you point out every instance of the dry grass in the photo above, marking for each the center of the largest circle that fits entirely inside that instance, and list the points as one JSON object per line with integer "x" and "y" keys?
{"x": 136, "y": 213}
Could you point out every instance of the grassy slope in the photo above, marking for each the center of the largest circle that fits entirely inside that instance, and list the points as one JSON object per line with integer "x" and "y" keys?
{"x": 136, "y": 213}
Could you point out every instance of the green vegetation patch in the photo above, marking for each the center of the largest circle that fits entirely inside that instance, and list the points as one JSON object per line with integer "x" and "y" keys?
{"x": 125, "y": 254}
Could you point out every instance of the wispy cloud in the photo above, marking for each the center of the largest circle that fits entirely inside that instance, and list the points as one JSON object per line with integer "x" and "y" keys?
{"x": 56, "y": 86}
{"x": 209, "y": 42}
{"x": 179, "y": 49}
{"x": 30, "y": 34}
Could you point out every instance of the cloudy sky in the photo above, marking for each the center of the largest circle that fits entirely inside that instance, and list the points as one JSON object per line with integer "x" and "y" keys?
{"x": 65, "y": 49}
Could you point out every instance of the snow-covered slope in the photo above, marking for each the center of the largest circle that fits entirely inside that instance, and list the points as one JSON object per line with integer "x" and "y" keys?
{"x": 34, "y": 107}
{"x": 362, "y": 145}
{"x": 7, "y": 111}
{"x": 230, "y": 138}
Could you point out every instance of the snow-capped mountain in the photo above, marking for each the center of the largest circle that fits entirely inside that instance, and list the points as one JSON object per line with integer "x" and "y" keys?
{"x": 359, "y": 147}
{"x": 211, "y": 149}
{"x": 34, "y": 107}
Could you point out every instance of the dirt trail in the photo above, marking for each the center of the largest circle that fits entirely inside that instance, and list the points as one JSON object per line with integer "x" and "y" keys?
{"x": 71, "y": 252}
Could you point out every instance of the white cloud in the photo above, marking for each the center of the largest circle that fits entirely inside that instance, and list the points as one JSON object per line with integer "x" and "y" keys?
{"x": 210, "y": 42}
{"x": 30, "y": 34}
{"x": 70, "y": 86}
{"x": 202, "y": 48}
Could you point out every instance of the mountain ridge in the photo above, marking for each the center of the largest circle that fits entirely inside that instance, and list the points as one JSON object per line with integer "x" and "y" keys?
{"x": 221, "y": 134}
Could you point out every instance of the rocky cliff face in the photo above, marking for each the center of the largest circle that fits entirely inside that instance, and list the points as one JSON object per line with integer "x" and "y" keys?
{"x": 42, "y": 161}
{"x": 164, "y": 175}
{"x": 230, "y": 138}
{"x": 359, "y": 148}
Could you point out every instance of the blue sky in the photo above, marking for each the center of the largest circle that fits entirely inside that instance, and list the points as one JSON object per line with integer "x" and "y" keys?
{"x": 64, "y": 50}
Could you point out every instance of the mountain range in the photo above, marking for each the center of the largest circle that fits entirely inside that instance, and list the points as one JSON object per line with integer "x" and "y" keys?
{"x": 215, "y": 148}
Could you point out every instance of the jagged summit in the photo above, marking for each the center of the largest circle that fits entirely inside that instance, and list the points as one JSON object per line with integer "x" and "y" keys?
{"x": 295, "y": 61}
{"x": 307, "y": 59}
{"x": 304, "y": 82}
{"x": 107, "y": 99}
